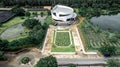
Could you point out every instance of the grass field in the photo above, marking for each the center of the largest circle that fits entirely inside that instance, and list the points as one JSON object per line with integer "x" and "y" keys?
{"x": 62, "y": 41}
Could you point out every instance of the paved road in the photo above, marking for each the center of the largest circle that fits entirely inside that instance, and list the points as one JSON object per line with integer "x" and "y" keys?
{"x": 4, "y": 64}
{"x": 81, "y": 61}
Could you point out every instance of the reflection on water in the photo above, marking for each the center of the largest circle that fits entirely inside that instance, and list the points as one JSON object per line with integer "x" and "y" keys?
{"x": 106, "y": 22}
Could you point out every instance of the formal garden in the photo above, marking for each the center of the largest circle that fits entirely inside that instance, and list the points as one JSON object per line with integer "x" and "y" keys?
{"x": 63, "y": 41}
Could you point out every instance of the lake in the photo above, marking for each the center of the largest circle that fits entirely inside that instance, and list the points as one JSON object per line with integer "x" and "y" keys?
{"x": 105, "y": 22}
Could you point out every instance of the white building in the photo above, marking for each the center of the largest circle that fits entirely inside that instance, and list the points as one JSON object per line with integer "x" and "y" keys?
{"x": 63, "y": 13}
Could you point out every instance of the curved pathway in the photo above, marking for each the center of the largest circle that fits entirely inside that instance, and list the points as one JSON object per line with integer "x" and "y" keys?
{"x": 34, "y": 54}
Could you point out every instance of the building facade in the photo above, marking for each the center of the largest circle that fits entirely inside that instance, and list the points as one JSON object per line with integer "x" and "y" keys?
{"x": 63, "y": 13}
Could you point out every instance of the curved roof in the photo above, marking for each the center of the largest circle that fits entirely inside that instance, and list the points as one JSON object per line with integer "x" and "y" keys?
{"x": 62, "y": 9}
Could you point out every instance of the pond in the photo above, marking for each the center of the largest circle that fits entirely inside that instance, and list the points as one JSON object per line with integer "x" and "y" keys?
{"x": 12, "y": 32}
{"x": 107, "y": 22}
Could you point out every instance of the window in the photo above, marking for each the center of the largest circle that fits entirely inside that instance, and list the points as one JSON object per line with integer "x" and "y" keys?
{"x": 68, "y": 19}
{"x": 54, "y": 14}
{"x": 63, "y": 15}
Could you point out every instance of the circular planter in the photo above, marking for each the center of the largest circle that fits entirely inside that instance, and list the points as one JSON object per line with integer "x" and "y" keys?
{"x": 25, "y": 60}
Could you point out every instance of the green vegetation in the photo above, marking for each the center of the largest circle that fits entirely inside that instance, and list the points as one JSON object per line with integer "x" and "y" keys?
{"x": 107, "y": 50}
{"x": 113, "y": 63}
{"x": 27, "y": 14}
{"x": 25, "y": 60}
{"x": 30, "y": 23}
{"x": 103, "y": 4}
{"x": 3, "y": 44}
{"x": 62, "y": 39}
{"x": 35, "y": 13}
{"x": 21, "y": 43}
{"x": 12, "y": 22}
{"x": 34, "y": 37}
{"x": 1, "y": 54}
{"x": 63, "y": 48}
{"x": 49, "y": 21}
{"x": 94, "y": 37}
{"x": 72, "y": 65}
{"x": 49, "y": 61}
{"x": 18, "y": 11}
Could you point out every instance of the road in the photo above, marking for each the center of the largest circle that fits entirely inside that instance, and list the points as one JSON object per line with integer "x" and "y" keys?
{"x": 81, "y": 61}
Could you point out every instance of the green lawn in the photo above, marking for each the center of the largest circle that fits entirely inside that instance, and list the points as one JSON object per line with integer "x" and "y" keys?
{"x": 63, "y": 49}
{"x": 65, "y": 36}
{"x": 62, "y": 39}
{"x": 11, "y": 22}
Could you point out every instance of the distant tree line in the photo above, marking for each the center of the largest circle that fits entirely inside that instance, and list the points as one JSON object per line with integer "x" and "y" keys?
{"x": 75, "y": 3}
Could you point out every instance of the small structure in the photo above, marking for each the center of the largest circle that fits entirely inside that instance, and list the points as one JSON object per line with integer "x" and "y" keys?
{"x": 47, "y": 7}
{"x": 63, "y": 14}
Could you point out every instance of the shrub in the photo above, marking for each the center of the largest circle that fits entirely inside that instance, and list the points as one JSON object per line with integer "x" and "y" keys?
{"x": 107, "y": 50}
{"x": 113, "y": 63}
{"x": 72, "y": 65}
{"x": 113, "y": 39}
{"x": 25, "y": 60}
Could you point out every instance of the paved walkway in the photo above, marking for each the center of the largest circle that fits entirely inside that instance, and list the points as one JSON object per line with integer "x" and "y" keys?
{"x": 34, "y": 55}
{"x": 81, "y": 61}
{"x": 79, "y": 53}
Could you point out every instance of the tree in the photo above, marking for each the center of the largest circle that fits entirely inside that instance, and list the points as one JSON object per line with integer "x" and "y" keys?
{"x": 107, "y": 50}
{"x": 18, "y": 11}
{"x": 42, "y": 14}
{"x": 35, "y": 13}
{"x": 113, "y": 63}
{"x": 1, "y": 54}
{"x": 30, "y": 23}
{"x": 38, "y": 34}
{"x": 37, "y": 27}
{"x": 45, "y": 26}
{"x": 49, "y": 61}
{"x": 27, "y": 14}
{"x": 48, "y": 12}
{"x": 3, "y": 44}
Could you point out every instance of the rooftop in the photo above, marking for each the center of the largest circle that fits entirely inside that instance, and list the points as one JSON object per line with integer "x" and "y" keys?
{"x": 62, "y": 9}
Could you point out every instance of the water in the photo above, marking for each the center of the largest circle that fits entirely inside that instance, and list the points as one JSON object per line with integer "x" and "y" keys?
{"x": 12, "y": 32}
{"x": 105, "y": 22}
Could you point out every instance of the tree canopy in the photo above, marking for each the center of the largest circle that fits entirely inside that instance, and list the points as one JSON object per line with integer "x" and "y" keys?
{"x": 107, "y": 50}
{"x": 30, "y": 23}
{"x": 18, "y": 11}
{"x": 49, "y": 61}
